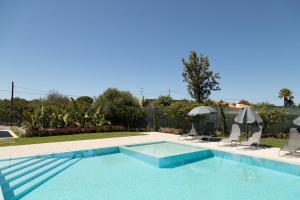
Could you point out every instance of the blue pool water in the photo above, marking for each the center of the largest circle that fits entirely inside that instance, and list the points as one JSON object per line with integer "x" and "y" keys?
{"x": 110, "y": 175}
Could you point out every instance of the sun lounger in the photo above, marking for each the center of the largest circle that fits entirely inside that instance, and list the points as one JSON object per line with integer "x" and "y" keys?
{"x": 205, "y": 133}
{"x": 190, "y": 135}
{"x": 293, "y": 143}
{"x": 234, "y": 136}
{"x": 253, "y": 140}
{"x": 201, "y": 137}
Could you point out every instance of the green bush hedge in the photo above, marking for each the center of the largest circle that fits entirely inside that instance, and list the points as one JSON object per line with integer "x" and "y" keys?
{"x": 77, "y": 130}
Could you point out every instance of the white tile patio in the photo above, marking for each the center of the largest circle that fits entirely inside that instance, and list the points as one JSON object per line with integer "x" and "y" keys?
{"x": 46, "y": 148}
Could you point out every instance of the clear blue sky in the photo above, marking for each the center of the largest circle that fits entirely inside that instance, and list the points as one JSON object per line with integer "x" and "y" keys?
{"x": 83, "y": 47}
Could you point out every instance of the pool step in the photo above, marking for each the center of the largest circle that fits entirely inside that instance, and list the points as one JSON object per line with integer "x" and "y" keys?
{"x": 21, "y": 167}
{"x": 28, "y": 177}
{"x": 12, "y": 176}
{"x": 33, "y": 184}
{"x": 19, "y": 183}
{"x": 13, "y": 163}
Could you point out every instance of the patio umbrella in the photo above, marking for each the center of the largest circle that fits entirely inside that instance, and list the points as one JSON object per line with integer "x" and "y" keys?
{"x": 248, "y": 116}
{"x": 297, "y": 121}
{"x": 201, "y": 110}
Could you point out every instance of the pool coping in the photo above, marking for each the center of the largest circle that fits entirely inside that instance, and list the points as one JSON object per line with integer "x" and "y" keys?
{"x": 254, "y": 156}
{"x": 145, "y": 143}
{"x": 11, "y": 152}
{"x": 233, "y": 155}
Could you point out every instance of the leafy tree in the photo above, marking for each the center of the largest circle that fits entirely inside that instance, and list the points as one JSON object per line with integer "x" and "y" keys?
{"x": 36, "y": 119}
{"x": 131, "y": 115}
{"x": 79, "y": 114}
{"x": 145, "y": 102}
{"x": 180, "y": 109}
{"x": 287, "y": 95}
{"x": 54, "y": 98}
{"x": 119, "y": 107}
{"x": 59, "y": 119}
{"x": 201, "y": 81}
{"x": 209, "y": 102}
{"x": 245, "y": 102}
{"x": 267, "y": 104}
{"x": 224, "y": 125}
{"x": 98, "y": 119}
{"x": 271, "y": 116}
{"x": 164, "y": 101}
{"x": 155, "y": 125}
{"x": 85, "y": 100}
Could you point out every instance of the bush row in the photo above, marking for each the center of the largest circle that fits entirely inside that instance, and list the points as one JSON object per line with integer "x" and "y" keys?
{"x": 175, "y": 131}
{"x": 77, "y": 130}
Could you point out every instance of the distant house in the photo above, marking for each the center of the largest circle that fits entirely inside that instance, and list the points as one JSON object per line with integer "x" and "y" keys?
{"x": 242, "y": 104}
{"x": 238, "y": 104}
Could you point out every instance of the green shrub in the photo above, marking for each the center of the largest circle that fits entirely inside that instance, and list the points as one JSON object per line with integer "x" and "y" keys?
{"x": 271, "y": 116}
{"x": 164, "y": 101}
{"x": 73, "y": 130}
{"x": 180, "y": 109}
{"x": 120, "y": 107}
{"x": 171, "y": 130}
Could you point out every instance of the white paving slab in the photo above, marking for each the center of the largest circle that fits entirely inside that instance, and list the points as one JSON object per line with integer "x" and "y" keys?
{"x": 58, "y": 147}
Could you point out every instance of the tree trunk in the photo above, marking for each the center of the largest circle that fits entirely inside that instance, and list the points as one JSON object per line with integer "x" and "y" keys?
{"x": 223, "y": 121}
{"x": 285, "y": 102}
{"x": 155, "y": 120}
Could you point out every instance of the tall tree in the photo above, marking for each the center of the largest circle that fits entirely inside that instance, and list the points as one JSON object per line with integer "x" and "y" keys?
{"x": 164, "y": 100}
{"x": 120, "y": 107}
{"x": 201, "y": 81}
{"x": 287, "y": 95}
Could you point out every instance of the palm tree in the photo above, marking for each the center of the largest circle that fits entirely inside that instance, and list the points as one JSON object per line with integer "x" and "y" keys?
{"x": 287, "y": 96}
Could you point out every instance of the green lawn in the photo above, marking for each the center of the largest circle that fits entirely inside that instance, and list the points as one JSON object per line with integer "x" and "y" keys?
{"x": 267, "y": 142}
{"x": 273, "y": 142}
{"x": 62, "y": 138}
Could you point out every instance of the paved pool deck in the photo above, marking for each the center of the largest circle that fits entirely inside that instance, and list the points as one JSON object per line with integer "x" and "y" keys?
{"x": 58, "y": 147}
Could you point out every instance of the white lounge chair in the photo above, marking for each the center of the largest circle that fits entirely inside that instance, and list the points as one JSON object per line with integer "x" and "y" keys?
{"x": 292, "y": 146}
{"x": 206, "y": 133}
{"x": 253, "y": 140}
{"x": 201, "y": 137}
{"x": 234, "y": 136}
{"x": 193, "y": 133}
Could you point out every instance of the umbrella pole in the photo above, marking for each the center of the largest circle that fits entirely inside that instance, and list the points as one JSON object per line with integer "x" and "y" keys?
{"x": 247, "y": 130}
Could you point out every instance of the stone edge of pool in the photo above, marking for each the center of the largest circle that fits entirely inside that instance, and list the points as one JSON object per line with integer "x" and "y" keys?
{"x": 48, "y": 148}
{"x": 119, "y": 148}
{"x": 275, "y": 165}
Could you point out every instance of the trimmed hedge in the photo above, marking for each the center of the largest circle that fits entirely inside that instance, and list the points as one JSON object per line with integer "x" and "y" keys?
{"x": 77, "y": 130}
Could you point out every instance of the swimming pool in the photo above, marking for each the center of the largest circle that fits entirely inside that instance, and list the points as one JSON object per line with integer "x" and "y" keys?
{"x": 134, "y": 172}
